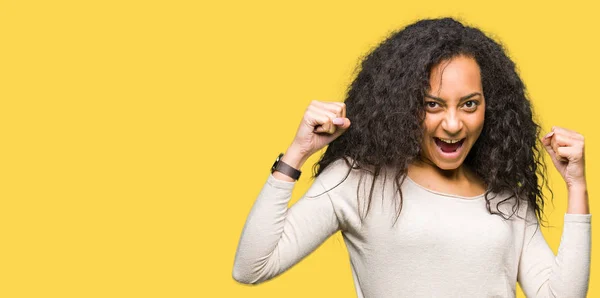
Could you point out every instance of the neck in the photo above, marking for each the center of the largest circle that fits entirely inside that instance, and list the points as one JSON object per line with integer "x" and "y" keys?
{"x": 459, "y": 174}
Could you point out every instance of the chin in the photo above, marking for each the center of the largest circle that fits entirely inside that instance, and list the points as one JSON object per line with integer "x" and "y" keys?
{"x": 449, "y": 166}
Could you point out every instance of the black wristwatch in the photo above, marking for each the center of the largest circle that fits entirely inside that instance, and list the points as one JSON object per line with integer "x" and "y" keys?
{"x": 284, "y": 168}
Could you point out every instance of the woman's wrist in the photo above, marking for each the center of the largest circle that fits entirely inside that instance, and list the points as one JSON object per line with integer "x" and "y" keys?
{"x": 294, "y": 157}
{"x": 578, "y": 202}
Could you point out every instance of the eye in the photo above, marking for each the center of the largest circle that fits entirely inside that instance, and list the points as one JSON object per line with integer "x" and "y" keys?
{"x": 471, "y": 105}
{"x": 431, "y": 104}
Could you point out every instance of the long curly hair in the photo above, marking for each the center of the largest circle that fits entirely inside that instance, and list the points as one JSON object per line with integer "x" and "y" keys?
{"x": 385, "y": 102}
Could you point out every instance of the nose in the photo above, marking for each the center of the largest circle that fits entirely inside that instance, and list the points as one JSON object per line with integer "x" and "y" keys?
{"x": 451, "y": 123}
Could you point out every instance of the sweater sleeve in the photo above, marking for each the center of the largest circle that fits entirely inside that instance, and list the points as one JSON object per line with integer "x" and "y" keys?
{"x": 276, "y": 237}
{"x": 541, "y": 273}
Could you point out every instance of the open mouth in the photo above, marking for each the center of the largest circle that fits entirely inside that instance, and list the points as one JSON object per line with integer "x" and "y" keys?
{"x": 448, "y": 145}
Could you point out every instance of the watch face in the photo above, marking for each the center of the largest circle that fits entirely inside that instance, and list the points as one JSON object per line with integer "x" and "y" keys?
{"x": 276, "y": 162}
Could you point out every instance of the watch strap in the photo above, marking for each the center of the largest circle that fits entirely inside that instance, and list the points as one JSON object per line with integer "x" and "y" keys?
{"x": 285, "y": 169}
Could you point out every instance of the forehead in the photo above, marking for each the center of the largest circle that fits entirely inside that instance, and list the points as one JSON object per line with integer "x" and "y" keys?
{"x": 455, "y": 77}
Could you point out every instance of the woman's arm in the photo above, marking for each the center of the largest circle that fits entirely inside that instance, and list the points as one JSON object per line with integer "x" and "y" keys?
{"x": 541, "y": 274}
{"x": 275, "y": 238}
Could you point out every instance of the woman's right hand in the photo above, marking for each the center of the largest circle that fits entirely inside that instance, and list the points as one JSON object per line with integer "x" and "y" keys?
{"x": 322, "y": 123}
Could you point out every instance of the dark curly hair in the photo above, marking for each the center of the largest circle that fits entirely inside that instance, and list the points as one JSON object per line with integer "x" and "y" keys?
{"x": 386, "y": 100}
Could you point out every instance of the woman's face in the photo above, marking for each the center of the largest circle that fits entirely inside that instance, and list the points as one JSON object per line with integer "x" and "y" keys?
{"x": 454, "y": 112}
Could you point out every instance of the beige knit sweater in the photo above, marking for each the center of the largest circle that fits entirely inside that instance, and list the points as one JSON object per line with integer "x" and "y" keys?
{"x": 442, "y": 245}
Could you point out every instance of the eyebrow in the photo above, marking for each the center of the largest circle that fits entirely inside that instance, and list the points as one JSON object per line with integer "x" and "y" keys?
{"x": 461, "y": 99}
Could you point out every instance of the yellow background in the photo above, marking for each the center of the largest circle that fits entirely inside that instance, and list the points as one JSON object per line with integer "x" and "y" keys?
{"x": 135, "y": 135}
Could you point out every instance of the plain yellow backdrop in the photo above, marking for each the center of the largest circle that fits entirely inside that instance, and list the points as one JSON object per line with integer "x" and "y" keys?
{"x": 135, "y": 135}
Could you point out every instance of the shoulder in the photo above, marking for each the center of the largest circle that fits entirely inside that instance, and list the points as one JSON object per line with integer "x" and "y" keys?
{"x": 505, "y": 202}
{"x": 341, "y": 174}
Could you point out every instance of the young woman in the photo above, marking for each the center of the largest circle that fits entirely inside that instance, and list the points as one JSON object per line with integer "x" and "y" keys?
{"x": 433, "y": 173}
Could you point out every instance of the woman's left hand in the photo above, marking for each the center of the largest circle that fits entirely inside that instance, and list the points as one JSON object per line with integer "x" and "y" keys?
{"x": 566, "y": 148}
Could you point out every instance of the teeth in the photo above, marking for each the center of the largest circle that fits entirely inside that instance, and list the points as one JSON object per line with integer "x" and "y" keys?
{"x": 449, "y": 141}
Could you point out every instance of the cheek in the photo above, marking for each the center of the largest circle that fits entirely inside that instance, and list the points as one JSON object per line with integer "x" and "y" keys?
{"x": 481, "y": 114}
{"x": 476, "y": 123}
{"x": 481, "y": 118}
{"x": 429, "y": 125}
